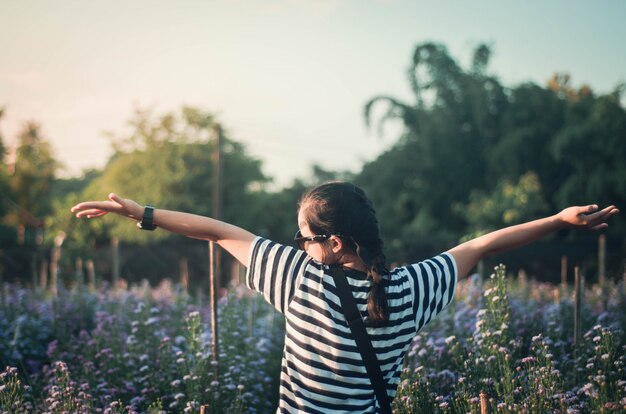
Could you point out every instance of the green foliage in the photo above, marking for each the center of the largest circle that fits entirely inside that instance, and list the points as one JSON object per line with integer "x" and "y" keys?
{"x": 167, "y": 161}
{"x": 508, "y": 204}
{"x": 34, "y": 175}
{"x": 476, "y": 155}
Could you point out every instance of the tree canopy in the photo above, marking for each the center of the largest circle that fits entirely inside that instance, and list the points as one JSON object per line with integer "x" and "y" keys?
{"x": 474, "y": 155}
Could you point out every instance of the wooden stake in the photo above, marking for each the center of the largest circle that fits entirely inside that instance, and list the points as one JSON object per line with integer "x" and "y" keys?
{"x": 577, "y": 304}
{"x": 213, "y": 294}
{"x": 80, "y": 276}
{"x": 54, "y": 262}
{"x": 485, "y": 407}
{"x": 184, "y": 273}
{"x": 563, "y": 272}
{"x": 602, "y": 259}
{"x": 214, "y": 253}
{"x": 43, "y": 274}
{"x": 115, "y": 260}
{"x": 91, "y": 275}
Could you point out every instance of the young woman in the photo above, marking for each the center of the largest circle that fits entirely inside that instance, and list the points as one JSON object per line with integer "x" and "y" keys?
{"x": 322, "y": 370}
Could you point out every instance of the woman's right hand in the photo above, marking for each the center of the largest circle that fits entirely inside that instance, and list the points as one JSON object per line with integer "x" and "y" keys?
{"x": 116, "y": 204}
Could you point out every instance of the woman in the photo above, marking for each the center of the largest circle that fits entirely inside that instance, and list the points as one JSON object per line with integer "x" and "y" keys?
{"x": 322, "y": 370}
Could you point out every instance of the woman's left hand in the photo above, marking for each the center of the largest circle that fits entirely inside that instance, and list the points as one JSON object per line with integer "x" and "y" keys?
{"x": 587, "y": 217}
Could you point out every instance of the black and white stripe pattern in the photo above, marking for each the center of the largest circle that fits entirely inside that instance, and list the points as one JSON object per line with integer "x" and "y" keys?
{"x": 322, "y": 370}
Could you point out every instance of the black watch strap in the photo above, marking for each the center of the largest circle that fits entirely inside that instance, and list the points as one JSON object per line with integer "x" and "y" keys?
{"x": 146, "y": 221}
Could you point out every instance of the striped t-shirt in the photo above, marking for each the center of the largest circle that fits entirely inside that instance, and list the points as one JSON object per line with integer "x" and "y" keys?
{"x": 322, "y": 371}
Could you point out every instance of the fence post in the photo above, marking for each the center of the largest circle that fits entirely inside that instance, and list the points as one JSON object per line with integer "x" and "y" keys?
{"x": 485, "y": 408}
{"x": 54, "y": 262}
{"x": 577, "y": 304}
{"x": 602, "y": 259}
{"x": 80, "y": 275}
{"x": 115, "y": 261}
{"x": 184, "y": 273}
{"x": 91, "y": 275}
{"x": 214, "y": 253}
{"x": 563, "y": 272}
{"x": 213, "y": 300}
{"x": 43, "y": 274}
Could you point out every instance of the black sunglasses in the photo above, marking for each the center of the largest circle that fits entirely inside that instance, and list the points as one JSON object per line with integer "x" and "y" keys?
{"x": 300, "y": 239}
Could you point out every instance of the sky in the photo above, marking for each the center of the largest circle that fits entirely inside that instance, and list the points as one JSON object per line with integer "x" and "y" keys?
{"x": 288, "y": 78}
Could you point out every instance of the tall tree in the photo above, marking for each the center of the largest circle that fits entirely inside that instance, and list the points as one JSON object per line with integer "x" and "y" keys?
{"x": 32, "y": 178}
{"x": 475, "y": 154}
{"x": 439, "y": 159}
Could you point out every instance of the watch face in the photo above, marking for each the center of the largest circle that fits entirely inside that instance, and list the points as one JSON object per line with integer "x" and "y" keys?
{"x": 146, "y": 220}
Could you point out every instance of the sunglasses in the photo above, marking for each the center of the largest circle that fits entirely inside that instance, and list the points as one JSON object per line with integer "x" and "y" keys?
{"x": 300, "y": 239}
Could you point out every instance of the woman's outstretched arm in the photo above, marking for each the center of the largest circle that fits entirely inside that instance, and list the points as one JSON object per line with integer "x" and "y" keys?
{"x": 468, "y": 254}
{"x": 233, "y": 239}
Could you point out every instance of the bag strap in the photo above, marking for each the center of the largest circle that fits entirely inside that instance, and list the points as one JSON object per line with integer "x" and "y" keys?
{"x": 363, "y": 344}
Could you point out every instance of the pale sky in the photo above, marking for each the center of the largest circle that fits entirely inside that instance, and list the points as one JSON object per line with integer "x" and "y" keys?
{"x": 289, "y": 78}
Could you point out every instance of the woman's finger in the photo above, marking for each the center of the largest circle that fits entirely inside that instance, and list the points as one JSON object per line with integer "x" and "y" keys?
{"x": 600, "y": 226}
{"x": 601, "y": 213}
{"x": 91, "y": 212}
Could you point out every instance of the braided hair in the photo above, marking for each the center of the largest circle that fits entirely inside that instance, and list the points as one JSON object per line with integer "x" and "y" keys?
{"x": 342, "y": 208}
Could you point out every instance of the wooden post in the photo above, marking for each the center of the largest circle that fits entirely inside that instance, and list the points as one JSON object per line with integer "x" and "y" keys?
{"x": 485, "y": 408}
{"x": 577, "y": 304}
{"x": 204, "y": 409}
{"x": 214, "y": 253}
{"x": 213, "y": 295}
{"x": 38, "y": 255}
{"x": 563, "y": 272}
{"x": 184, "y": 273}
{"x": 21, "y": 234}
{"x": 251, "y": 317}
{"x": 91, "y": 275}
{"x": 54, "y": 262}
{"x": 43, "y": 274}
{"x": 115, "y": 261}
{"x": 217, "y": 192}
{"x": 80, "y": 275}
{"x": 602, "y": 260}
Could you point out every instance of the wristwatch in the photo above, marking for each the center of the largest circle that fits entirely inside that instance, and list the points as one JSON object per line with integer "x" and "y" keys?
{"x": 146, "y": 221}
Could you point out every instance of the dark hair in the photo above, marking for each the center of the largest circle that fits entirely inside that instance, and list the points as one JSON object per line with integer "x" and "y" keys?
{"x": 342, "y": 208}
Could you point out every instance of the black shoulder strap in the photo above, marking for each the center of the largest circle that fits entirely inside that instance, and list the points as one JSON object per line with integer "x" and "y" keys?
{"x": 363, "y": 344}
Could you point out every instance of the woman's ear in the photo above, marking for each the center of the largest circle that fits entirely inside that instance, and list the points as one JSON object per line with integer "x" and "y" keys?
{"x": 336, "y": 244}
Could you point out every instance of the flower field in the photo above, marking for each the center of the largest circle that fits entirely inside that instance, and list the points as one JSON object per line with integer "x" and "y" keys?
{"x": 143, "y": 349}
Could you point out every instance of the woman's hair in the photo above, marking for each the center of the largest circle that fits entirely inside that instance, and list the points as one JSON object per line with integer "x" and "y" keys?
{"x": 343, "y": 209}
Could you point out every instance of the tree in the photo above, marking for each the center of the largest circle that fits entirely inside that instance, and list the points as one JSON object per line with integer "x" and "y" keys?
{"x": 4, "y": 169}
{"x": 32, "y": 178}
{"x": 472, "y": 149}
{"x": 439, "y": 159}
{"x": 166, "y": 161}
